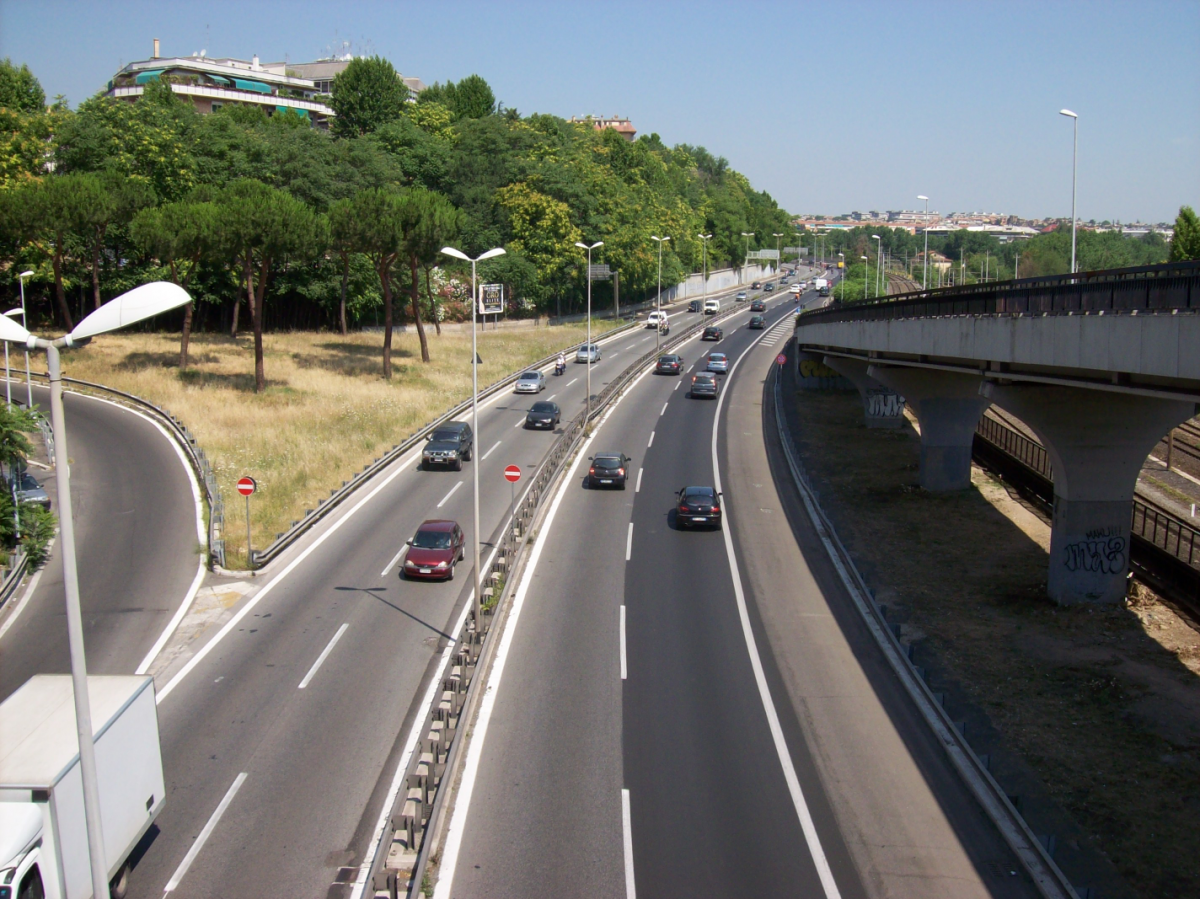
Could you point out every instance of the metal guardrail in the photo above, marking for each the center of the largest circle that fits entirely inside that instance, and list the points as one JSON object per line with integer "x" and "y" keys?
{"x": 439, "y": 754}
{"x": 200, "y": 463}
{"x": 13, "y": 574}
{"x": 1172, "y": 287}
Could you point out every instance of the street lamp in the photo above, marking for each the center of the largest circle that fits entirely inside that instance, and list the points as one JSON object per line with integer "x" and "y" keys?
{"x": 746, "y": 261}
{"x": 925, "y": 273}
{"x": 866, "y": 271}
{"x": 459, "y": 254}
{"x": 878, "y": 262}
{"x": 842, "y": 257}
{"x": 658, "y": 300}
{"x": 1074, "y": 157}
{"x": 594, "y": 246}
{"x": 136, "y": 305}
{"x": 7, "y": 378}
{"x": 25, "y": 321}
{"x": 704, "y": 238}
{"x": 779, "y": 259}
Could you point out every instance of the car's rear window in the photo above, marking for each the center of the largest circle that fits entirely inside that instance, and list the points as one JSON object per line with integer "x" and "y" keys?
{"x": 717, "y": 357}
{"x": 608, "y": 463}
{"x": 699, "y": 491}
{"x": 529, "y": 376}
{"x": 432, "y": 540}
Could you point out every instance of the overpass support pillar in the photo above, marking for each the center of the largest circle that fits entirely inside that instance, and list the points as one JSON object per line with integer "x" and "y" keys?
{"x": 882, "y": 407}
{"x": 1097, "y": 441}
{"x": 948, "y": 406}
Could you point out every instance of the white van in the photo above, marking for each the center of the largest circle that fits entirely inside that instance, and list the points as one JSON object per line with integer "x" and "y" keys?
{"x": 657, "y": 320}
{"x": 712, "y": 307}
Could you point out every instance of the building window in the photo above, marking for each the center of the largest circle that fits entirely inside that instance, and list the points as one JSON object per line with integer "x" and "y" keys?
{"x": 216, "y": 105}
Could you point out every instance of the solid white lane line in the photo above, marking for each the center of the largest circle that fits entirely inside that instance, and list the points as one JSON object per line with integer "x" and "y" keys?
{"x": 323, "y": 656}
{"x": 638, "y": 488}
{"x": 204, "y": 834}
{"x": 627, "y": 845}
{"x": 392, "y": 564}
{"x": 811, "y": 837}
{"x": 624, "y": 667}
{"x": 629, "y": 543}
{"x": 489, "y": 452}
{"x": 572, "y": 381}
{"x": 450, "y": 494}
{"x": 651, "y": 443}
{"x": 664, "y": 409}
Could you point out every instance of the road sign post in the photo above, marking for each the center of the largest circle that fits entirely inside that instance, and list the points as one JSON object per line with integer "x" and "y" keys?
{"x": 246, "y": 487}
{"x": 780, "y": 359}
{"x": 512, "y": 474}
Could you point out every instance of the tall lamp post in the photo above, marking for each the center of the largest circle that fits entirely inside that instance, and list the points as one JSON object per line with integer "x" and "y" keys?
{"x": 866, "y": 272}
{"x": 589, "y": 249}
{"x": 925, "y": 272}
{"x": 7, "y": 376}
{"x": 658, "y": 299}
{"x": 25, "y": 321}
{"x": 878, "y": 261}
{"x": 1074, "y": 157}
{"x": 136, "y": 305}
{"x": 459, "y": 254}
{"x": 779, "y": 259}
{"x": 746, "y": 261}
{"x": 842, "y": 258}
{"x": 704, "y": 239}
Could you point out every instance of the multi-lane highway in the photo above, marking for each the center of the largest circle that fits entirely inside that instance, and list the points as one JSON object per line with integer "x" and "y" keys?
{"x": 701, "y": 713}
{"x": 282, "y": 732}
{"x": 138, "y": 547}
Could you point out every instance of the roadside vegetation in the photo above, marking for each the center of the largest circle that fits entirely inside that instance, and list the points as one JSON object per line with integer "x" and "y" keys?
{"x": 24, "y": 524}
{"x": 325, "y": 411}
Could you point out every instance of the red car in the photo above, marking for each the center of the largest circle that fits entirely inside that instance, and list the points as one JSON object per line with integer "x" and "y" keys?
{"x": 434, "y": 551}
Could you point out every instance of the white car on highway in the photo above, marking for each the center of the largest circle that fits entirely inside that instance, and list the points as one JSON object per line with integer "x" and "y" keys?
{"x": 657, "y": 320}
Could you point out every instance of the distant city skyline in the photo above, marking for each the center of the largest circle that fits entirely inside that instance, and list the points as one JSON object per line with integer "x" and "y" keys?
{"x": 825, "y": 106}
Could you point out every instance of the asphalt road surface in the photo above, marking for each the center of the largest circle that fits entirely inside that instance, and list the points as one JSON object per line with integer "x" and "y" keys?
{"x": 760, "y": 749}
{"x": 137, "y": 547}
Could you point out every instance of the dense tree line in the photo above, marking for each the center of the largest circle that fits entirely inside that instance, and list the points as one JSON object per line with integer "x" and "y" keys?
{"x": 271, "y": 223}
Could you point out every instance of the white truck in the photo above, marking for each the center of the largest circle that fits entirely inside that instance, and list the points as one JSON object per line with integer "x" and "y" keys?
{"x": 818, "y": 283}
{"x": 43, "y": 836}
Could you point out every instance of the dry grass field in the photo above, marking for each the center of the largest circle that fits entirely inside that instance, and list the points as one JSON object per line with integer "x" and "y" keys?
{"x": 326, "y": 411}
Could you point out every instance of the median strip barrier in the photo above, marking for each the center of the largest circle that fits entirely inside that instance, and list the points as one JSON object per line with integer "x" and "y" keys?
{"x": 1049, "y": 879}
{"x": 404, "y": 852}
{"x": 18, "y": 561}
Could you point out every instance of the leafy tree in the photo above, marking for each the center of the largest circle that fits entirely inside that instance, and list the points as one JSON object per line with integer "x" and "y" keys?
{"x": 104, "y": 200}
{"x": 343, "y": 234}
{"x": 378, "y": 230}
{"x": 367, "y": 94}
{"x": 430, "y": 223}
{"x": 541, "y": 230}
{"x": 473, "y": 99}
{"x": 20, "y": 91}
{"x": 1185, "y": 244}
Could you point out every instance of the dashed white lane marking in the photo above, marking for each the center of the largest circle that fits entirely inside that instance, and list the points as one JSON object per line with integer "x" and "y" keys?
{"x": 323, "y": 656}
{"x": 450, "y": 494}
{"x": 638, "y": 488}
{"x": 664, "y": 409}
{"x": 204, "y": 834}
{"x": 624, "y": 667}
{"x": 629, "y": 543}
{"x": 489, "y": 452}
{"x": 572, "y": 381}
{"x": 627, "y": 845}
{"x": 551, "y": 396}
{"x": 677, "y": 386}
{"x": 651, "y": 443}
{"x": 519, "y": 423}
{"x": 392, "y": 564}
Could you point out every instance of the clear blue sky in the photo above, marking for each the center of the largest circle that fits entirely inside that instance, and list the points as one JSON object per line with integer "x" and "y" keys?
{"x": 829, "y": 106}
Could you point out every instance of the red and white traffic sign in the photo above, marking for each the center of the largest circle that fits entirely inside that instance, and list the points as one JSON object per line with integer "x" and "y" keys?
{"x": 246, "y": 486}
{"x": 512, "y": 474}
{"x": 780, "y": 359}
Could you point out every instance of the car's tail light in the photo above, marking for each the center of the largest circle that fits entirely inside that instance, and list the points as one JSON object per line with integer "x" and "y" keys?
{"x": 683, "y": 509}
{"x": 592, "y": 470}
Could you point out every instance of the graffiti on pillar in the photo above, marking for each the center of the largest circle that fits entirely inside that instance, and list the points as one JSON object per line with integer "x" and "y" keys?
{"x": 884, "y": 404}
{"x": 1102, "y": 551}
{"x": 811, "y": 368}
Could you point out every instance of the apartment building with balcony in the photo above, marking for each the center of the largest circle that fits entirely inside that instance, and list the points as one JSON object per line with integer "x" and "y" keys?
{"x": 620, "y": 125}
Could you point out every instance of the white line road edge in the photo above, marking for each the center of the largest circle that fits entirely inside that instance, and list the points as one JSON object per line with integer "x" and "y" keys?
{"x": 650, "y": 443}
{"x": 29, "y": 590}
{"x": 205, "y": 834}
{"x": 627, "y": 844}
{"x": 446, "y": 498}
{"x": 624, "y": 666}
{"x": 323, "y": 656}
{"x": 462, "y": 802}
{"x": 764, "y": 691}
{"x": 629, "y": 542}
{"x": 638, "y": 488}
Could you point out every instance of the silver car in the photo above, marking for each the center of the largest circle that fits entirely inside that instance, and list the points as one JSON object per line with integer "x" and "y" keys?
{"x": 717, "y": 363}
{"x": 30, "y": 491}
{"x": 582, "y": 354}
{"x": 530, "y": 382}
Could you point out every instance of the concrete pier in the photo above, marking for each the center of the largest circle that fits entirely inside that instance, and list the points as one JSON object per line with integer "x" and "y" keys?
{"x": 882, "y": 406}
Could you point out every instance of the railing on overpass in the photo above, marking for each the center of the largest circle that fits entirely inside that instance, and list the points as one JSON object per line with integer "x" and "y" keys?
{"x": 1165, "y": 288}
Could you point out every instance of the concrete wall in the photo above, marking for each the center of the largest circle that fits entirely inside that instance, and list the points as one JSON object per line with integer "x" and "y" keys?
{"x": 1161, "y": 346}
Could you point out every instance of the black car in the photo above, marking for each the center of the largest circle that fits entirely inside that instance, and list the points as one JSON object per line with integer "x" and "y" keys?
{"x": 768, "y": 287}
{"x": 449, "y": 445}
{"x": 669, "y": 365}
{"x": 712, "y": 332}
{"x": 543, "y": 414}
{"x": 698, "y": 505}
{"x": 757, "y": 323}
{"x": 758, "y": 306}
{"x": 694, "y": 306}
{"x": 756, "y": 285}
{"x": 704, "y": 383}
{"x": 608, "y": 470}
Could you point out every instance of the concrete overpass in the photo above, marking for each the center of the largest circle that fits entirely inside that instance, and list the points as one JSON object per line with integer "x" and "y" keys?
{"x": 1100, "y": 365}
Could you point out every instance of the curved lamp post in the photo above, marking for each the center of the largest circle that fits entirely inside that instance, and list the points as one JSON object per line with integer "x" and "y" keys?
{"x": 1074, "y": 157}
{"x": 459, "y": 254}
{"x": 704, "y": 239}
{"x": 746, "y": 261}
{"x": 135, "y": 306}
{"x": 658, "y": 300}
{"x": 589, "y": 249}
{"x": 878, "y": 261}
{"x": 925, "y": 275}
{"x": 24, "y": 320}
{"x": 842, "y": 257}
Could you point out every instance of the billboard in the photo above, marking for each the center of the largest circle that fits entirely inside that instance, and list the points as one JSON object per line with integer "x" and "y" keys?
{"x": 491, "y": 299}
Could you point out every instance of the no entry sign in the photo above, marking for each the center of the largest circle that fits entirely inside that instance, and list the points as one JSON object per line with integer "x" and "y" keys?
{"x": 246, "y": 486}
{"x": 512, "y": 474}
{"x": 780, "y": 359}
